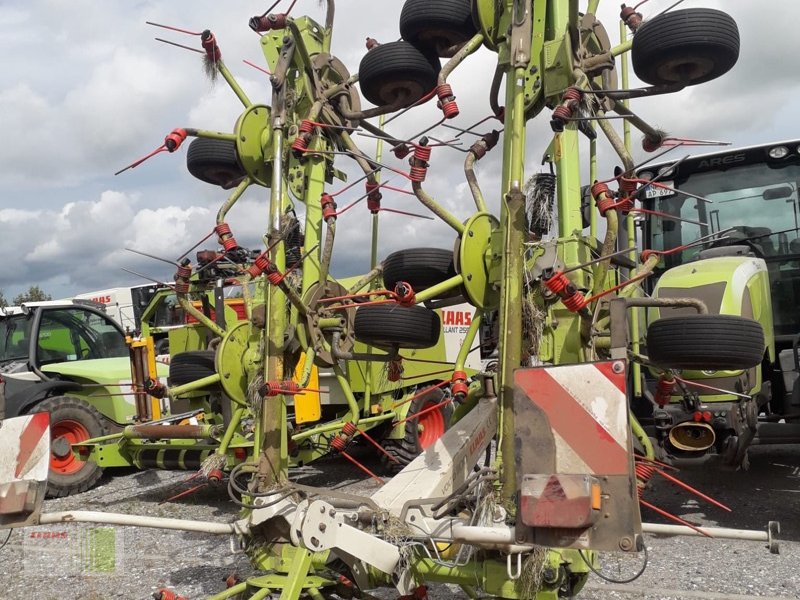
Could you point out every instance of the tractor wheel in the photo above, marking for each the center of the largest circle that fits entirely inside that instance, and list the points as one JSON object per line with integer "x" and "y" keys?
{"x": 395, "y": 326}
{"x": 687, "y": 46}
{"x": 397, "y": 72}
{"x": 421, "y": 268}
{"x": 420, "y": 433}
{"x": 187, "y": 367}
{"x": 71, "y": 421}
{"x": 718, "y": 342}
{"x": 434, "y": 26}
{"x": 215, "y": 162}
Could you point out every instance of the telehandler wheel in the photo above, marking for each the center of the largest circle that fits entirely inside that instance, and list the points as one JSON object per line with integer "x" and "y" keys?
{"x": 396, "y": 326}
{"x": 71, "y": 421}
{"x": 187, "y": 367}
{"x": 420, "y": 433}
{"x": 421, "y": 268}
{"x": 691, "y": 46}
{"x": 397, "y": 71}
{"x": 214, "y": 161}
{"x": 434, "y": 26}
{"x": 719, "y": 342}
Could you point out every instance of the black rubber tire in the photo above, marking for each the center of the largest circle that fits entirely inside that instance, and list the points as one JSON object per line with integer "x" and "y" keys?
{"x": 395, "y": 326}
{"x": 407, "y": 448}
{"x": 433, "y": 26}
{"x": 397, "y": 69}
{"x": 706, "y": 342}
{"x": 214, "y": 161}
{"x": 421, "y": 268}
{"x": 186, "y": 367}
{"x": 693, "y": 45}
{"x": 62, "y": 408}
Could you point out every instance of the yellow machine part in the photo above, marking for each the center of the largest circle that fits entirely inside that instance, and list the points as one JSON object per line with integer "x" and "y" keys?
{"x": 307, "y": 405}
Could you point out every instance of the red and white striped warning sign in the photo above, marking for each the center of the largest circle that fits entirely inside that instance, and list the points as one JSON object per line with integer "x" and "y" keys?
{"x": 587, "y": 410}
{"x": 25, "y": 448}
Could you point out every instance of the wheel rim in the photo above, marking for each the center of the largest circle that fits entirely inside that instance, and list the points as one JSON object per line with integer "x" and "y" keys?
{"x": 432, "y": 427}
{"x": 72, "y": 432}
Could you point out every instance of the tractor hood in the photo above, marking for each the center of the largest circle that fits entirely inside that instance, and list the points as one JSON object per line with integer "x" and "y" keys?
{"x": 729, "y": 285}
{"x": 100, "y": 370}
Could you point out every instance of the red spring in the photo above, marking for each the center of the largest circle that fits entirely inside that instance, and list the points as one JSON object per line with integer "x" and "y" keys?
{"x": 459, "y": 385}
{"x": 447, "y": 100}
{"x": 209, "y": 43}
{"x": 222, "y": 229}
{"x": 557, "y": 283}
{"x": 268, "y": 22}
{"x": 574, "y": 302}
{"x": 401, "y": 151}
{"x": 274, "y": 388}
{"x": 395, "y": 370}
{"x": 644, "y": 472}
{"x": 183, "y": 272}
{"x": 328, "y": 206}
{"x": 625, "y": 206}
{"x": 373, "y": 196}
{"x": 306, "y": 126}
{"x": 602, "y": 197}
{"x": 349, "y": 429}
{"x": 174, "y": 140}
{"x": 651, "y": 144}
{"x": 422, "y": 153}
{"x": 182, "y": 287}
{"x": 339, "y": 443}
{"x": 226, "y": 237}
{"x": 664, "y": 390}
{"x": 260, "y": 264}
{"x": 627, "y": 186}
{"x": 646, "y": 254}
{"x": 630, "y": 17}
{"x": 230, "y": 244}
{"x": 418, "y": 174}
{"x": 572, "y": 93}
{"x": 562, "y": 112}
{"x": 300, "y": 143}
{"x": 404, "y": 294}
{"x": 275, "y": 277}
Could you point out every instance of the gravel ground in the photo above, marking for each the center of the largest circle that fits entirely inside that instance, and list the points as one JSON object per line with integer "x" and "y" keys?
{"x": 195, "y": 564}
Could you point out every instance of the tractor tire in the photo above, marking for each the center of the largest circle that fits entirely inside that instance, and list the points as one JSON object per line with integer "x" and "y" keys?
{"x": 421, "y": 268}
{"x": 214, "y": 161}
{"x": 434, "y": 26}
{"x": 706, "y": 342}
{"x": 692, "y": 46}
{"x": 71, "y": 421}
{"x": 419, "y": 433}
{"x": 395, "y": 326}
{"x": 395, "y": 71}
{"x": 187, "y": 367}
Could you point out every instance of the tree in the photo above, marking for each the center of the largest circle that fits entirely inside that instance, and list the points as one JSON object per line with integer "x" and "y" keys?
{"x": 34, "y": 294}
{"x": 2, "y": 300}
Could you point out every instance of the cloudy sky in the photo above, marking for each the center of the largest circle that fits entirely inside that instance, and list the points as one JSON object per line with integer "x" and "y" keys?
{"x": 85, "y": 90}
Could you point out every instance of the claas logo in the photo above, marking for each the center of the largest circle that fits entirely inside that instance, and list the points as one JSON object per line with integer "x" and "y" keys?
{"x": 101, "y": 299}
{"x": 456, "y": 317}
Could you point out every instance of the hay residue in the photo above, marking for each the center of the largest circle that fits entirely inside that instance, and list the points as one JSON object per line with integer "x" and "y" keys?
{"x": 530, "y": 579}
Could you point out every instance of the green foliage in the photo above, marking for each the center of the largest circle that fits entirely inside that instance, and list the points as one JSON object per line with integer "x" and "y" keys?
{"x": 2, "y": 300}
{"x": 34, "y": 294}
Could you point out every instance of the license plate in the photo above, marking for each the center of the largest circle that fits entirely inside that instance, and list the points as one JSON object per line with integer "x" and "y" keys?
{"x": 653, "y": 191}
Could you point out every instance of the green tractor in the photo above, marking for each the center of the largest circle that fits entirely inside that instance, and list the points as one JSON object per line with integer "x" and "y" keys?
{"x": 70, "y": 359}
{"x": 744, "y": 203}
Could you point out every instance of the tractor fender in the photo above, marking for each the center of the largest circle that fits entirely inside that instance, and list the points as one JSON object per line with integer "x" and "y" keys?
{"x": 21, "y": 401}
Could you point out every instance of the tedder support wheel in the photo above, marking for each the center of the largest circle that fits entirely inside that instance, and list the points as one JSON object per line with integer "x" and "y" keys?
{"x": 214, "y": 161}
{"x": 434, "y": 26}
{"x": 420, "y": 433}
{"x": 688, "y": 46}
{"x": 421, "y": 268}
{"x": 705, "y": 342}
{"x": 397, "y": 71}
{"x": 187, "y": 367}
{"x": 396, "y": 326}
{"x": 71, "y": 421}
